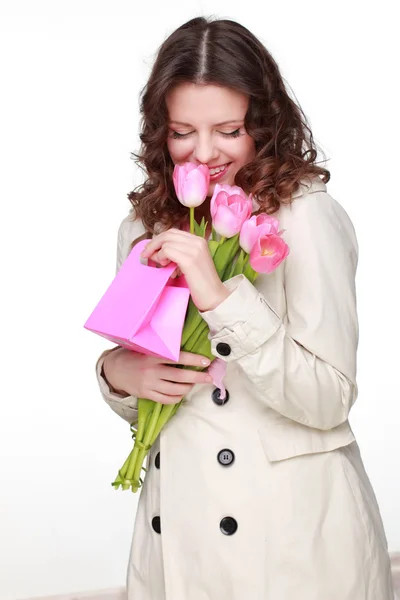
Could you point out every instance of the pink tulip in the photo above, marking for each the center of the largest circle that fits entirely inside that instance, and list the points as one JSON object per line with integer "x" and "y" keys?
{"x": 255, "y": 227}
{"x": 229, "y": 208}
{"x": 191, "y": 183}
{"x": 267, "y": 253}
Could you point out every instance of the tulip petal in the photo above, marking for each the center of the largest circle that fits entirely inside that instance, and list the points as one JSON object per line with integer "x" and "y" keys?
{"x": 239, "y": 208}
{"x": 195, "y": 189}
{"x": 268, "y": 253}
{"x": 263, "y": 219}
{"x": 248, "y": 235}
{"x": 218, "y": 199}
{"x": 226, "y": 222}
{"x": 191, "y": 183}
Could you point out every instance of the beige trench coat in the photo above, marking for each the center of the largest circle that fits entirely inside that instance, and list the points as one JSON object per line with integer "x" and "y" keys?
{"x": 265, "y": 497}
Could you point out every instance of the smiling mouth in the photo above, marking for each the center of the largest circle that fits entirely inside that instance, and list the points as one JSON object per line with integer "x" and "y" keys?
{"x": 218, "y": 170}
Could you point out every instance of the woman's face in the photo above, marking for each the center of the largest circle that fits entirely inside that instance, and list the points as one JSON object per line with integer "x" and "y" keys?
{"x": 206, "y": 126}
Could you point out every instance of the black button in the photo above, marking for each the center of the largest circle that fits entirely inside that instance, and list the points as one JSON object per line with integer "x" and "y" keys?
{"x": 226, "y": 457}
{"x": 156, "y": 523}
{"x": 223, "y": 349}
{"x": 157, "y": 461}
{"x": 228, "y": 525}
{"x": 217, "y": 398}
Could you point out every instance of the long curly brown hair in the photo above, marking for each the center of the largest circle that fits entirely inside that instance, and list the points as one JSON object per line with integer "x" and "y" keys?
{"x": 223, "y": 52}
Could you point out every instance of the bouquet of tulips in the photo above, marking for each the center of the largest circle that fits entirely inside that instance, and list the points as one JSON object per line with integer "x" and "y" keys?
{"x": 240, "y": 244}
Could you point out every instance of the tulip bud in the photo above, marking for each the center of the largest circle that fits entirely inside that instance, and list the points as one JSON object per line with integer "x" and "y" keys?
{"x": 191, "y": 184}
{"x": 229, "y": 208}
{"x": 255, "y": 227}
{"x": 267, "y": 253}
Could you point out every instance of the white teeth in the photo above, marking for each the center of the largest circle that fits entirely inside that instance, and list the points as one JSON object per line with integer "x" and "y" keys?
{"x": 217, "y": 170}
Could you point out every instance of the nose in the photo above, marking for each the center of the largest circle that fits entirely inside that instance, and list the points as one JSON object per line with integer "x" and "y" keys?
{"x": 205, "y": 150}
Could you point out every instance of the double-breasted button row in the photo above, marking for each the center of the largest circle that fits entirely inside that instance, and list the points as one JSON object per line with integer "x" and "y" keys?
{"x": 228, "y": 525}
{"x": 156, "y": 521}
{"x": 226, "y": 457}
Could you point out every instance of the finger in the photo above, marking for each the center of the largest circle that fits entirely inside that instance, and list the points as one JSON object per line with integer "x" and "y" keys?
{"x": 188, "y": 359}
{"x": 176, "y": 273}
{"x": 174, "y": 251}
{"x": 159, "y": 259}
{"x": 170, "y": 388}
{"x": 158, "y": 240}
{"x": 183, "y": 375}
{"x": 180, "y": 254}
{"x": 163, "y": 398}
{"x": 172, "y": 235}
{"x": 170, "y": 252}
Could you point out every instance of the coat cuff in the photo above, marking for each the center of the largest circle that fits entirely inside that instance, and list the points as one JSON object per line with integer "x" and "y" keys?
{"x": 125, "y": 406}
{"x": 242, "y": 322}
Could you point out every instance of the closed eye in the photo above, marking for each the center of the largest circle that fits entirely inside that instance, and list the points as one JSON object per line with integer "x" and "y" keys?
{"x": 235, "y": 133}
{"x": 177, "y": 136}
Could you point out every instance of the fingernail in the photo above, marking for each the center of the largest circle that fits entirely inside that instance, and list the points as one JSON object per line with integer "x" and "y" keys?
{"x": 205, "y": 361}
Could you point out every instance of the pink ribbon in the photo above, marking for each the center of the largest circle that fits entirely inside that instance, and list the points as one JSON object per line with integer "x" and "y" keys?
{"x": 217, "y": 371}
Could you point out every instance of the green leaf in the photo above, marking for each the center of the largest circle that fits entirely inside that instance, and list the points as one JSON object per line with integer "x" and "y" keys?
{"x": 192, "y": 320}
{"x": 197, "y": 228}
{"x": 237, "y": 267}
{"x": 213, "y": 247}
{"x": 250, "y": 273}
{"x": 200, "y": 230}
{"x": 225, "y": 254}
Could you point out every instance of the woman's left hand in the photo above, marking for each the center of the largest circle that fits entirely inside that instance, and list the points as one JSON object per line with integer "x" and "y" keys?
{"x": 192, "y": 256}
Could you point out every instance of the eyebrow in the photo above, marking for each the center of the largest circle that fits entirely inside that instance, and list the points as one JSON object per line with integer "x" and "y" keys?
{"x": 217, "y": 124}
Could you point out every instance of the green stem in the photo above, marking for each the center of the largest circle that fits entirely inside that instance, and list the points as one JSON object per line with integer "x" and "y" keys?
{"x": 191, "y": 211}
{"x": 250, "y": 273}
{"x": 204, "y": 346}
{"x": 225, "y": 254}
{"x": 121, "y": 477}
{"x": 192, "y": 342}
{"x": 192, "y": 320}
{"x": 146, "y": 442}
{"x": 145, "y": 408}
{"x": 166, "y": 413}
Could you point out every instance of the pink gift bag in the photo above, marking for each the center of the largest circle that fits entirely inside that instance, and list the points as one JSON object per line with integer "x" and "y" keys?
{"x": 143, "y": 309}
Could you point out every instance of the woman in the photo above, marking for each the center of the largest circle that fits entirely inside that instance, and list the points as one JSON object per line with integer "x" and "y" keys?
{"x": 263, "y": 495}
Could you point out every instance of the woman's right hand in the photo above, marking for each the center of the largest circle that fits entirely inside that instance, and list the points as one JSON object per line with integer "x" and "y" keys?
{"x": 154, "y": 378}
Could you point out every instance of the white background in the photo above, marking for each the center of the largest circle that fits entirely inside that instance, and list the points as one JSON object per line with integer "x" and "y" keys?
{"x": 70, "y": 74}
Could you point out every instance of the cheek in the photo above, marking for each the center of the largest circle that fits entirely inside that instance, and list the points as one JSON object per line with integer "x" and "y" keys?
{"x": 179, "y": 150}
{"x": 245, "y": 152}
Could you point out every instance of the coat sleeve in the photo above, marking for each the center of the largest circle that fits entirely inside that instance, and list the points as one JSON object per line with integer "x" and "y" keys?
{"x": 301, "y": 364}
{"x": 125, "y": 406}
